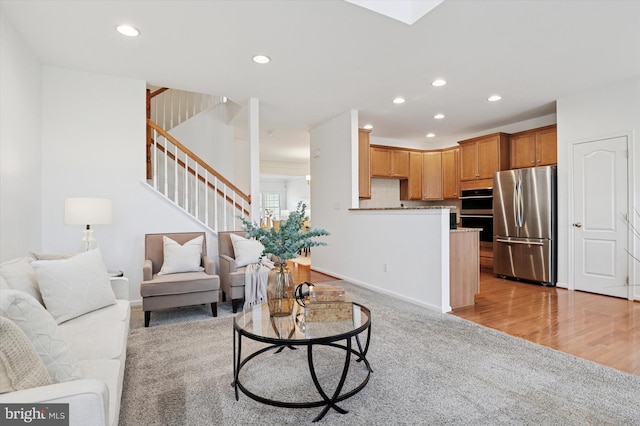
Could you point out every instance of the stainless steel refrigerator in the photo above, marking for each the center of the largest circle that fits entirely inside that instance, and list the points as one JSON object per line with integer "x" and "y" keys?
{"x": 524, "y": 224}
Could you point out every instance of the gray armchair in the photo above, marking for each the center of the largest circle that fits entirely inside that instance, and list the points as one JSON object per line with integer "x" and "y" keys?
{"x": 231, "y": 278}
{"x": 179, "y": 289}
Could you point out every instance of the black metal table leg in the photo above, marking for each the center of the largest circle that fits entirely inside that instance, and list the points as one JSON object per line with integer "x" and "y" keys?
{"x": 331, "y": 402}
{"x": 236, "y": 361}
{"x": 363, "y": 353}
{"x": 235, "y": 366}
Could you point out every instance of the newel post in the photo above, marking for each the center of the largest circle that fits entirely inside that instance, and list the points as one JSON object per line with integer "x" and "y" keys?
{"x": 149, "y": 165}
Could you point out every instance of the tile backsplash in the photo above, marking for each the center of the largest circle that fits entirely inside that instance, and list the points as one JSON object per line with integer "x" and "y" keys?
{"x": 386, "y": 193}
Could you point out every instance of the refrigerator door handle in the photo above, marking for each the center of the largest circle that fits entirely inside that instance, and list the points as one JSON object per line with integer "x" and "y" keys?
{"x": 520, "y": 205}
{"x": 531, "y": 243}
{"x": 515, "y": 204}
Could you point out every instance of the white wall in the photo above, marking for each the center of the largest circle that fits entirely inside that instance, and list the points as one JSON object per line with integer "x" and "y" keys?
{"x": 603, "y": 112}
{"x": 20, "y": 159}
{"x": 242, "y": 174}
{"x": 298, "y": 190}
{"x": 93, "y": 145}
{"x": 208, "y": 136}
{"x": 414, "y": 244}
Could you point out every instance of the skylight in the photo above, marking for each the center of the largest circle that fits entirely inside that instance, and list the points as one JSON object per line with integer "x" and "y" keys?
{"x": 407, "y": 11}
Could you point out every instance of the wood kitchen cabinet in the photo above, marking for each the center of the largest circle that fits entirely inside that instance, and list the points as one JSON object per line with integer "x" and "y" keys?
{"x": 451, "y": 173}
{"x": 432, "y": 175}
{"x": 364, "y": 164}
{"x": 411, "y": 189}
{"x": 481, "y": 157}
{"x": 486, "y": 256}
{"x": 464, "y": 268}
{"x": 533, "y": 148}
{"x": 389, "y": 162}
{"x": 425, "y": 177}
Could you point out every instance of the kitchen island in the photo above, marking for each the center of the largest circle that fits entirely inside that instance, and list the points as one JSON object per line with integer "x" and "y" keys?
{"x": 401, "y": 251}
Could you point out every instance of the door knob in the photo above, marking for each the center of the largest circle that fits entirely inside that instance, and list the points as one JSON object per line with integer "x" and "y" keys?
{"x": 578, "y": 225}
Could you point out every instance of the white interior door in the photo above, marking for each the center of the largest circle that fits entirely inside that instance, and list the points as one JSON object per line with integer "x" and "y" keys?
{"x": 600, "y": 206}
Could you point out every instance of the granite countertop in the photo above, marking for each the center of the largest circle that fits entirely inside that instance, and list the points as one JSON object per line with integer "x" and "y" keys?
{"x": 406, "y": 208}
{"x": 466, "y": 230}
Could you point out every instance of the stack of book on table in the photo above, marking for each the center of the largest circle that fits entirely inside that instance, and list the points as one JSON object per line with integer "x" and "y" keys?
{"x": 328, "y": 303}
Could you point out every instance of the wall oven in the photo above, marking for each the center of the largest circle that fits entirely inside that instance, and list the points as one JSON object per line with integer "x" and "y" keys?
{"x": 477, "y": 211}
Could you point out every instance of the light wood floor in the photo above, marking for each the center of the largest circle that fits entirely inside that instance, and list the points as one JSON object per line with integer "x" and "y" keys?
{"x": 599, "y": 328}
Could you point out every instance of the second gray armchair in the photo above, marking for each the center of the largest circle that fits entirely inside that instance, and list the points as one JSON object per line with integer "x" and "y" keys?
{"x": 231, "y": 277}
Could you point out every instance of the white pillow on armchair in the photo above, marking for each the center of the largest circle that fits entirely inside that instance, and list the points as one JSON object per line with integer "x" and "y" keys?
{"x": 182, "y": 258}
{"x": 246, "y": 251}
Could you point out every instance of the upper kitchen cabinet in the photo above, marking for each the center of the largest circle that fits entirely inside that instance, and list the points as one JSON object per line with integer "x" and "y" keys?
{"x": 451, "y": 173}
{"x": 533, "y": 148}
{"x": 364, "y": 164}
{"x": 432, "y": 175}
{"x": 425, "y": 177}
{"x": 389, "y": 162}
{"x": 481, "y": 157}
{"x": 411, "y": 189}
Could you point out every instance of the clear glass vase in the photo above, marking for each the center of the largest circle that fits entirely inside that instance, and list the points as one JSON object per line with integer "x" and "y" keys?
{"x": 280, "y": 291}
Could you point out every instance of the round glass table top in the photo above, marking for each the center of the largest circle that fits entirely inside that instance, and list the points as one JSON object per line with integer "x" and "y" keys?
{"x": 314, "y": 322}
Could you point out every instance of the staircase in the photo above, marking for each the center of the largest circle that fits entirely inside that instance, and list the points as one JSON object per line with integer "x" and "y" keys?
{"x": 170, "y": 107}
{"x": 179, "y": 175}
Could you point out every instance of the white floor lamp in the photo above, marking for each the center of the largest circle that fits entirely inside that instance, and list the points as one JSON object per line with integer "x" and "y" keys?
{"x": 87, "y": 211}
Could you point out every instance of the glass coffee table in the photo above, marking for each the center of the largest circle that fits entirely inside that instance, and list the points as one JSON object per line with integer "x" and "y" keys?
{"x": 338, "y": 326}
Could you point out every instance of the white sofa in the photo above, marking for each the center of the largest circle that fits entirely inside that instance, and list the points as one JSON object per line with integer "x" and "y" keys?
{"x": 98, "y": 341}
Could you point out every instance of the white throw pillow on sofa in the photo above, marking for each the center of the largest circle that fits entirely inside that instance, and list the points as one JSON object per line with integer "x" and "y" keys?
{"x": 19, "y": 275}
{"x": 182, "y": 258}
{"x": 246, "y": 251}
{"x": 74, "y": 286}
{"x": 41, "y": 329}
{"x": 49, "y": 256}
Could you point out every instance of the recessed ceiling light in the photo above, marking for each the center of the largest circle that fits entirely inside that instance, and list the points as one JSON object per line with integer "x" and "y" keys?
{"x": 439, "y": 82}
{"x": 261, "y": 59}
{"x": 367, "y": 127}
{"x": 431, "y": 135}
{"x": 128, "y": 30}
{"x": 494, "y": 98}
{"x": 398, "y": 101}
{"x": 438, "y": 116}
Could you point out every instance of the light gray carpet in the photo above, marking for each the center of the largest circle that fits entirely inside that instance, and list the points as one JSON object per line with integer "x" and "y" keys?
{"x": 429, "y": 369}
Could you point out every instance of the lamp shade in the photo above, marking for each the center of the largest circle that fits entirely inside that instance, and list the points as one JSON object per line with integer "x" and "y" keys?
{"x": 87, "y": 211}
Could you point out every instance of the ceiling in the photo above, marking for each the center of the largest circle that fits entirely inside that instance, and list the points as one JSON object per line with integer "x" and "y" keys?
{"x": 329, "y": 56}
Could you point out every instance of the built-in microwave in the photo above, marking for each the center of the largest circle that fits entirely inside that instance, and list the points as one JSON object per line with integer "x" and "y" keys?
{"x": 477, "y": 201}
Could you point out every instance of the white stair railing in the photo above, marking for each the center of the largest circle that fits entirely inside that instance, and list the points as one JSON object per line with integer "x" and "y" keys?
{"x": 171, "y": 107}
{"x": 185, "y": 179}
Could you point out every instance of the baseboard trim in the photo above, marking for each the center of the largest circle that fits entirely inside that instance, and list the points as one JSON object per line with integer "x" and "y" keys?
{"x": 381, "y": 290}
